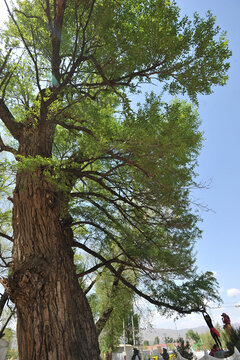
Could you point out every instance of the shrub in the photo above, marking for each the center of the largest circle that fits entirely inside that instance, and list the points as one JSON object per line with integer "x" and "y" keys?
{"x": 185, "y": 349}
{"x": 234, "y": 340}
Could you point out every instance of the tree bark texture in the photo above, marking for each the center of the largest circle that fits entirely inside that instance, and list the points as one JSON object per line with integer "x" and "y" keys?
{"x": 54, "y": 319}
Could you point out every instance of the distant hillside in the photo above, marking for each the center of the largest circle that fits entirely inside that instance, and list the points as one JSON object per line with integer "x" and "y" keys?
{"x": 151, "y": 333}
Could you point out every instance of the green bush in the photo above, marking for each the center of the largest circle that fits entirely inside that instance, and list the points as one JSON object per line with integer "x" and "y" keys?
{"x": 12, "y": 354}
{"x": 185, "y": 349}
{"x": 234, "y": 340}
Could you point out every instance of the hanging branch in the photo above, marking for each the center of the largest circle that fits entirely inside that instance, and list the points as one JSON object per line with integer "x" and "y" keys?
{"x": 134, "y": 288}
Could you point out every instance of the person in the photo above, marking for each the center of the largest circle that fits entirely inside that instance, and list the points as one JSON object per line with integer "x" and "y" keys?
{"x": 225, "y": 319}
{"x": 165, "y": 354}
{"x": 227, "y": 323}
{"x": 136, "y": 355}
{"x": 215, "y": 334}
{"x": 214, "y": 349}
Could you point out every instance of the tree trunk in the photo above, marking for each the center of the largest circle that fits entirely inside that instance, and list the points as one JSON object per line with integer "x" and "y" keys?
{"x": 54, "y": 319}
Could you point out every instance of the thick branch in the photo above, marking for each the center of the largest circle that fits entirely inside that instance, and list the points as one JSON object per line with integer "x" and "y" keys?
{"x": 134, "y": 288}
{"x": 3, "y": 300}
{"x": 106, "y": 232}
{"x": 149, "y": 271}
{"x": 125, "y": 80}
{"x": 56, "y": 33}
{"x": 103, "y": 319}
{"x": 56, "y": 38}
{"x": 26, "y": 46}
{"x": 9, "y": 121}
{"x": 5, "y": 60}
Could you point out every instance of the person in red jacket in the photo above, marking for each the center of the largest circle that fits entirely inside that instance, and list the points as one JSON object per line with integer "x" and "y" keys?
{"x": 214, "y": 349}
{"x": 225, "y": 319}
{"x": 215, "y": 334}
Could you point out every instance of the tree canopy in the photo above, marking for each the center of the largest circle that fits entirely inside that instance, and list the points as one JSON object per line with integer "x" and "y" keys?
{"x": 121, "y": 176}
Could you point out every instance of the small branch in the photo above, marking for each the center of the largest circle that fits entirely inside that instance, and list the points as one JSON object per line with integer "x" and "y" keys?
{"x": 74, "y": 127}
{"x": 29, "y": 16}
{"x": 94, "y": 268}
{"x": 4, "y": 147}
{"x": 89, "y": 15}
{"x": 90, "y": 286}
{"x": 6, "y": 236}
{"x": 6, "y": 265}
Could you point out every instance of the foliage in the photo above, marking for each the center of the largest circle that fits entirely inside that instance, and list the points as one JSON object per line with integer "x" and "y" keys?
{"x": 12, "y": 354}
{"x": 184, "y": 348}
{"x": 145, "y": 343}
{"x": 234, "y": 340}
{"x": 8, "y": 334}
{"x": 114, "y": 298}
{"x": 207, "y": 340}
{"x": 169, "y": 340}
{"x": 156, "y": 340}
{"x": 192, "y": 335}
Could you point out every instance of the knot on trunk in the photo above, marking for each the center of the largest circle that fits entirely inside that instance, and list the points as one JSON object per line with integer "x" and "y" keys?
{"x": 27, "y": 281}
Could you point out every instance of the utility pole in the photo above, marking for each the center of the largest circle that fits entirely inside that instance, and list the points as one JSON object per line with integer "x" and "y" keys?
{"x": 133, "y": 332}
{"x": 124, "y": 341}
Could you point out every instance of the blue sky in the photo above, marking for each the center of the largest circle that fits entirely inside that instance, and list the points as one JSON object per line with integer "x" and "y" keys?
{"x": 219, "y": 249}
{"x": 219, "y": 162}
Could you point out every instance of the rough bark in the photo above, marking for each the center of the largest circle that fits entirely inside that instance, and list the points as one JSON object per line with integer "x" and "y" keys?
{"x": 54, "y": 318}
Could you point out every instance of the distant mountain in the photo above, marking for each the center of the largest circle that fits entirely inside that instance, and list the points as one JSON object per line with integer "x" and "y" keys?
{"x": 151, "y": 333}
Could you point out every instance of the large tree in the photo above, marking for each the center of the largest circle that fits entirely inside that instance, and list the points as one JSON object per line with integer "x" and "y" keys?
{"x": 92, "y": 174}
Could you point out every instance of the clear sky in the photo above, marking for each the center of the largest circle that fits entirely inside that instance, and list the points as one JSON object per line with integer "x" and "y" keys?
{"x": 219, "y": 249}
